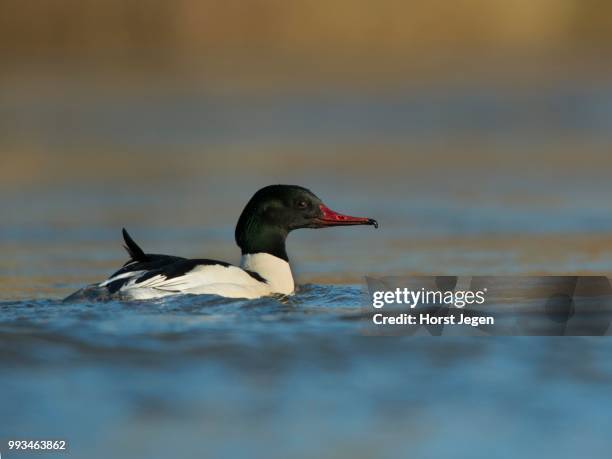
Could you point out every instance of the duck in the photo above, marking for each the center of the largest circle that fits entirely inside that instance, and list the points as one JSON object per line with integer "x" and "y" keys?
{"x": 261, "y": 233}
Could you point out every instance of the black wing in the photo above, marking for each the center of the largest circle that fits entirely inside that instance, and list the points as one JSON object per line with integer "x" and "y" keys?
{"x": 156, "y": 264}
{"x": 135, "y": 252}
{"x": 140, "y": 261}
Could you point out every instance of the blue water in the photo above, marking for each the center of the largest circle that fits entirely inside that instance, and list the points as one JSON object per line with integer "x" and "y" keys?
{"x": 203, "y": 376}
{"x": 166, "y": 118}
{"x": 463, "y": 182}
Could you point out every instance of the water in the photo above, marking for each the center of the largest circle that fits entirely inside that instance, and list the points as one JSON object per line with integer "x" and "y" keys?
{"x": 202, "y": 375}
{"x": 473, "y": 187}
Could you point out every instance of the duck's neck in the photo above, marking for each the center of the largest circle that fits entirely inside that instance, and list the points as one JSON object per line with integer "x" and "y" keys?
{"x": 263, "y": 252}
{"x": 276, "y": 271}
{"x": 254, "y": 237}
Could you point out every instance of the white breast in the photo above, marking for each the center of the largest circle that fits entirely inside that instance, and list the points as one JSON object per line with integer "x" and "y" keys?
{"x": 227, "y": 281}
{"x": 274, "y": 270}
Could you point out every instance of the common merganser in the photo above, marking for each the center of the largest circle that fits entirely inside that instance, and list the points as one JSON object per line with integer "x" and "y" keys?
{"x": 261, "y": 233}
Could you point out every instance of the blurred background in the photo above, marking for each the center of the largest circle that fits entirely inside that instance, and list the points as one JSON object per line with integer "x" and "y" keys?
{"x": 477, "y": 132}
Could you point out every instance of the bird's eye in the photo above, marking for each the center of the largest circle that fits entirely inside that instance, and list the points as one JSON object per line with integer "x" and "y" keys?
{"x": 302, "y": 204}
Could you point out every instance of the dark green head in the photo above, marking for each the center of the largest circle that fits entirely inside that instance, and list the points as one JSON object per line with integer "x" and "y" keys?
{"x": 276, "y": 210}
